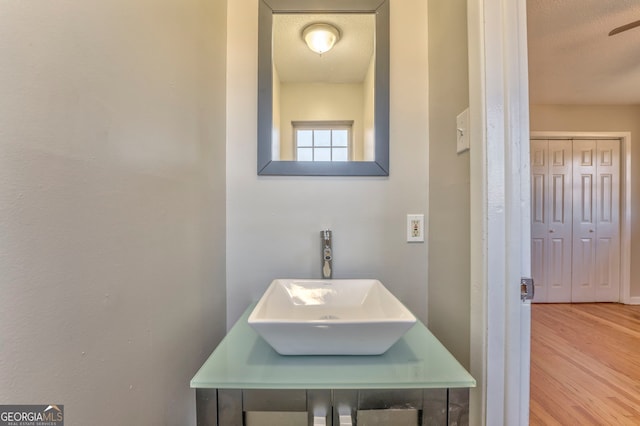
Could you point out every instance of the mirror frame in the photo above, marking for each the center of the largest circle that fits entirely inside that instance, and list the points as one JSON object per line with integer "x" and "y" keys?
{"x": 266, "y": 164}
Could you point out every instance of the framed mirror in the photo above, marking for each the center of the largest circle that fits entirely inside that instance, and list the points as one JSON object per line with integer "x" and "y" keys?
{"x": 323, "y": 111}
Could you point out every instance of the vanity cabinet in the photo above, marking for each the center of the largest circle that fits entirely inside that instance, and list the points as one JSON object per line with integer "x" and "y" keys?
{"x": 416, "y": 382}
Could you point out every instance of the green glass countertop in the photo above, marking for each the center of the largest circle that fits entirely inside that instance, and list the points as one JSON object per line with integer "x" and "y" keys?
{"x": 243, "y": 360}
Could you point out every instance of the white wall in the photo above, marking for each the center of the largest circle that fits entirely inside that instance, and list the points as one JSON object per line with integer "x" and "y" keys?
{"x": 274, "y": 223}
{"x": 275, "y": 131}
{"x": 112, "y": 205}
{"x": 602, "y": 118}
{"x": 368, "y": 125}
{"x": 449, "y": 255}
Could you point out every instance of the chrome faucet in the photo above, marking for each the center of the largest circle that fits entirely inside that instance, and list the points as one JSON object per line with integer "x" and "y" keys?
{"x": 327, "y": 254}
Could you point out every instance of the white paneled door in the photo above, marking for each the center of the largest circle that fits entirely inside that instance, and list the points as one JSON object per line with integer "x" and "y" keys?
{"x": 575, "y": 230}
{"x": 551, "y": 219}
{"x": 596, "y": 201}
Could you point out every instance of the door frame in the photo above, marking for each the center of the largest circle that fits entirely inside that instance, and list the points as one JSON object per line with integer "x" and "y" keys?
{"x": 500, "y": 211}
{"x": 625, "y": 199}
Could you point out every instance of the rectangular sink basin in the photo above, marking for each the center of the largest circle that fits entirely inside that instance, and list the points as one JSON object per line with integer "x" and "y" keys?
{"x": 330, "y": 317}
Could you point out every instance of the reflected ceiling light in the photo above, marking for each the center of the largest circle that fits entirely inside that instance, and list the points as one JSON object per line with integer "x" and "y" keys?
{"x": 321, "y": 37}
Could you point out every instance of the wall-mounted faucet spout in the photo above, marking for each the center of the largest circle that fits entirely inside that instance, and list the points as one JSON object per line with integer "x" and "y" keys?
{"x": 327, "y": 254}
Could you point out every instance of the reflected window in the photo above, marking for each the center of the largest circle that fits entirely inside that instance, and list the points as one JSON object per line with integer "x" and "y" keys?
{"x": 322, "y": 140}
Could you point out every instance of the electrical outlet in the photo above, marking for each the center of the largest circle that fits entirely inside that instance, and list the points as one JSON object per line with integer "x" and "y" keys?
{"x": 415, "y": 228}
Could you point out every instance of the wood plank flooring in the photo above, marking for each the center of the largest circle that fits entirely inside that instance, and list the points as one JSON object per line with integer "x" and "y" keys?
{"x": 585, "y": 364}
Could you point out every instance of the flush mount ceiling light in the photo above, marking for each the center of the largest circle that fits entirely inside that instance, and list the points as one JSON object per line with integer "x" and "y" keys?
{"x": 321, "y": 37}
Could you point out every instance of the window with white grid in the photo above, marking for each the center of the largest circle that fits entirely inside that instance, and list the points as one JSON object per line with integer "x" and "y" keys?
{"x": 322, "y": 140}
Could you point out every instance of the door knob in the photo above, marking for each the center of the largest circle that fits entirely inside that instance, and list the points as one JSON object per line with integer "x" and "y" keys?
{"x": 551, "y": 231}
{"x": 590, "y": 230}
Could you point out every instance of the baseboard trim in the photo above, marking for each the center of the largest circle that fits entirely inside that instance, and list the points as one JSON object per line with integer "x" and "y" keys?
{"x": 633, "y": 300}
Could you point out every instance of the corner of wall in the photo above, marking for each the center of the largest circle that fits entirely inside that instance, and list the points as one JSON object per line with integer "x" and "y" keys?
{"x": 449, "y": 191}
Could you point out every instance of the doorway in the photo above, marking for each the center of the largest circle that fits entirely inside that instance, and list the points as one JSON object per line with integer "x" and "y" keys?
{"x": 580, "y": 216}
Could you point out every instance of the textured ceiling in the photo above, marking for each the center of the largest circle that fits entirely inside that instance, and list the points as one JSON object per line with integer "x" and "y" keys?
{"x": 572, "y": 60}
{"x": 347, "y": 62}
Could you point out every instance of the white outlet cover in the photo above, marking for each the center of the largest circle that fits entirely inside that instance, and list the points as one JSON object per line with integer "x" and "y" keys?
{"x": 415, "y": 228}
{"x": 462, "y": 131}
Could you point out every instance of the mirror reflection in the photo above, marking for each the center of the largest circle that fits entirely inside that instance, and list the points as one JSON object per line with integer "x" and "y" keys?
{"x": 323, "y": 88}
{"x": 323, "y": 99}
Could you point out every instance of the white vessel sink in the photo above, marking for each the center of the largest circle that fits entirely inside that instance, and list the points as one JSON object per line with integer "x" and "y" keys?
{"x": 330, "y": 317}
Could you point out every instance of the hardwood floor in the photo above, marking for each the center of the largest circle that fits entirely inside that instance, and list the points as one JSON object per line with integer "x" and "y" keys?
{"x": 585, "y": 364}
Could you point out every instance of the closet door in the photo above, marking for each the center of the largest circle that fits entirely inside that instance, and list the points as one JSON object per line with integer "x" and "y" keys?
{"x": 608, "y": 221}
{"x": 551, "y": 217}
{"x": 596, "y": 235}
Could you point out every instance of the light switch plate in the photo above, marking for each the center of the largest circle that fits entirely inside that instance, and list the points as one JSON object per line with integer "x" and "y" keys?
{"x": 415, "y": 228}
{"x": 462, "y": 131}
